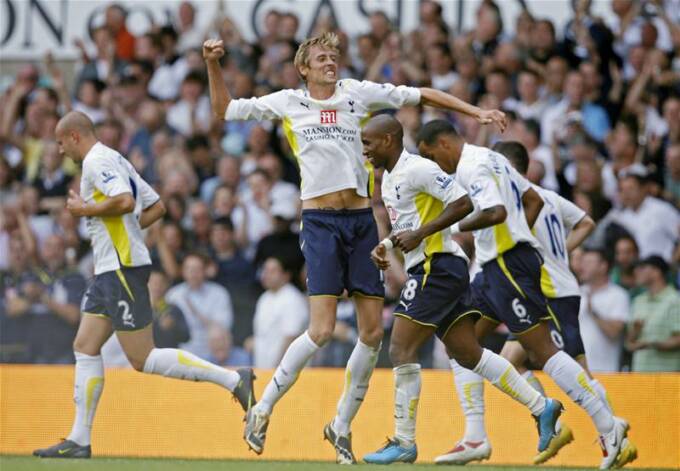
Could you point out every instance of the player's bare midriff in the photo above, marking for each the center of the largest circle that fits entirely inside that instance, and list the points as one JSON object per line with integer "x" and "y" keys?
{"x": 342, "y": 199}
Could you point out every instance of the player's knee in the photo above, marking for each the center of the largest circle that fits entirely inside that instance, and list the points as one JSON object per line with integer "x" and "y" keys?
{"x": 81, "y": 345}
{"x": 402, "y": 354}
{"x": 373, "y": 336}
{"x": 321, "y": 335}
{"x": 467, "y": 360}
{"x": 138, "y": 363}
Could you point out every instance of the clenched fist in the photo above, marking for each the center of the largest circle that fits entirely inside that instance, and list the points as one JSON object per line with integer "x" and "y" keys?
{"x": 213, "y": 49}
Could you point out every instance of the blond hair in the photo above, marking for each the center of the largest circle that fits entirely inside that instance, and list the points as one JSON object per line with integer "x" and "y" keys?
{"x": 325, "y": 41}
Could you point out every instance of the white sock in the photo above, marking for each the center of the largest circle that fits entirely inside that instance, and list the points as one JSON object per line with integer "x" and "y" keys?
{"x": 294, "y": 360}
{"x": 533, "y": 381}
{"x": 406, "y": 397}
{"x": 572, "y": 379}
{"x": 89, "y": 384}
{"x": 602, "y": 393}
{"x": 357, "y": 374}
{"x": 505, "y": 377}
{"x": 181, "y": 364}
{"x": 470, "y": 387}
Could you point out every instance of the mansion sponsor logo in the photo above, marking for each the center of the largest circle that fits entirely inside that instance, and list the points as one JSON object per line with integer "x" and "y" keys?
{"x": 336, "y": 133}
{"x": 328, "y": 117}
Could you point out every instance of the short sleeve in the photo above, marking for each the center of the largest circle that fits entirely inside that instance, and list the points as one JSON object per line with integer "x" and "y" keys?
{"x": 266, "y": 107}
{"x": 483, "y": 188}
{"x": 571, "y": 214}
{"x": 147, "y": 194}
{"x": 523, "y": 185}
{"x": 378, "y": 96}
{"x": 429, "y": 178}
{"x": 108, "y": 179}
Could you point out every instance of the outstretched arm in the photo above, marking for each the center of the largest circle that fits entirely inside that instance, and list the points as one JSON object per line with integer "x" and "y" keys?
{"x": 213, "y": 50}
{"x": 439, "y": 99}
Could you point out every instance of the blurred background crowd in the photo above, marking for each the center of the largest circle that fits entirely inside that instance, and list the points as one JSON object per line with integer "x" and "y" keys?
{"x": 597, "y": 105}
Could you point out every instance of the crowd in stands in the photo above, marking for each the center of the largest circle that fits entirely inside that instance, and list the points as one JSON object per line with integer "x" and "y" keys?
{"x": 597, "y": 104}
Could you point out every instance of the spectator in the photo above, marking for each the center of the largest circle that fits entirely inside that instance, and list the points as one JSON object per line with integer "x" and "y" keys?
{"x": 170, "y": 329}
{"x": 640, "y": 215}
{"x": 528, "y": 132}
{"x": 191, "y": 114}
{"x": 530, "y": 104}
{"x": 52, "y": 298}
{"x": 15, "y": 323}
{"x": 232, "y": 267}
{"x": 594, "y": 117}
{"x": 223, "y": 352}
{"x": 190, "y": 35}
{"x": 115, "y": 18}
{"x": 626, "y": 256}
{"x": 205, "y": 304}
{"x": 280, "y": 315}
{"x": 228, "y": 173}
{"x": 672, "y": 175}
{"x": 201, "y": 222}
{"x": 654, "y": 335}
{"x": 198, "y": 150}
{"x": 52, "y": 181}
{"x": 603, "y": 315}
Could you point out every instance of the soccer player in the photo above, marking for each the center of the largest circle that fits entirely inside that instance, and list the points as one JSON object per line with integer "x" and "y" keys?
{"x": 117, "y": 205}
{"x": 322, "y": 124}
{"x": 512, "y": 264}
{"x": 560, "y": 228}
{"x": 423, "y": 202}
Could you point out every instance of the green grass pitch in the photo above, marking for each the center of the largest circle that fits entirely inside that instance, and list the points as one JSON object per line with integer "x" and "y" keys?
{"x": 28, "y": 463}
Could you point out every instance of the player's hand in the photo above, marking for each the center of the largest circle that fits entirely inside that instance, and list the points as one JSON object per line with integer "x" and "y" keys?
{"x": 408, "y": 240}
{"x": 379, "y": 257}
{"x": 496, "y": 117}
{"x": 213, "y": 49}
{"x": 75, "y": 204}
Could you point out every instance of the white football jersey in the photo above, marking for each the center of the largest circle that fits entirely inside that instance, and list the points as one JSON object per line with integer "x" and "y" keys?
{"x": 490, "y": 180}
{"x": 415, "y": 192}
{"x": 117, "y": 241}
{"x": 557, "y": 217}
{"x": 325, "y": 135}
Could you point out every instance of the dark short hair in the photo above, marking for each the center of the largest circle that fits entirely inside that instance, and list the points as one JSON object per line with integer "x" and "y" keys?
{"x": 516, "y": 153}
{"x": 432, "y": 130}
{"x": 629, "y": 238}
{"x": 195, "y": 76}
{"x": 197, "y": 141}
{"x": 225, "y": 222}
{"x": 534, "y": 127}
{"x": 601, "y": 252}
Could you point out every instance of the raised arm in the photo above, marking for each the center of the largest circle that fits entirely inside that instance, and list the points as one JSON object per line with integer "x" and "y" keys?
{"x": 439, "y": 99}
{"x": 213, "y": 50}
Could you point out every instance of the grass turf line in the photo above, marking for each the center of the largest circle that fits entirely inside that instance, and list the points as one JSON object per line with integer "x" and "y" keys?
{"x": 29, "y": 463}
